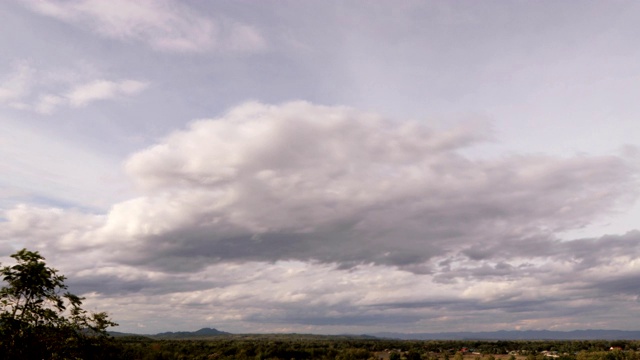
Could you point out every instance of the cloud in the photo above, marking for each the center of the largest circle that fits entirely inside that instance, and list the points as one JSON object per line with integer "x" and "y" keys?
{"x": 16, "y": 85}
{"x": 26, "y": 88}
{"x": 349, "y": 220}
{"x": 286, "y": 295}
{"x": 83, "y": 94}
{"x": 339, "y": 186}
{"x": 163, "y": 25}
{"x": 37, "y": 226}
{"x": 336, "y": 185}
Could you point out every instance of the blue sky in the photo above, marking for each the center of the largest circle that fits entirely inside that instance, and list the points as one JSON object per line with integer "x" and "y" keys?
{"x": 327, "y": 166}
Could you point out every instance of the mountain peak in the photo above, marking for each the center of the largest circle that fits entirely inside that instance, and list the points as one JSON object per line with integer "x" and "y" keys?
{"x": 209, "y": 331}
{"x": 187, "y": 334}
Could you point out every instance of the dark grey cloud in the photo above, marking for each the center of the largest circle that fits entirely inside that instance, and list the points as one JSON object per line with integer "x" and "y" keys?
{"x": 324, "y": 319}
{"x": 616, "y": 285}
{"x": 110, "y": 284}
{"x": 599, "y": 251}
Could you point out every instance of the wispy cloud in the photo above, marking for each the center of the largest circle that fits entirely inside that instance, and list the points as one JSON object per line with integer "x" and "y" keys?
{"x": 26, "y": 88}
{"x": 163, "y": 25}
{"x": 83, "y": 94}
{"x": 16, "y": 85}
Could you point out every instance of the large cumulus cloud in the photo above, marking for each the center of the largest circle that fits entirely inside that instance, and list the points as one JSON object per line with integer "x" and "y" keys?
{"x": 300, "y": 217}
{"x": 337, "y": 185}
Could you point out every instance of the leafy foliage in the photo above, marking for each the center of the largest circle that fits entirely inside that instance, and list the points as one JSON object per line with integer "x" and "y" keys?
{"x": 272, "y": 347}
{"x": 40, "y": 319}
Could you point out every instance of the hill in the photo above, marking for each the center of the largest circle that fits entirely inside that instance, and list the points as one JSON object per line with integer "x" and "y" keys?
{"x": 204, "y": 332}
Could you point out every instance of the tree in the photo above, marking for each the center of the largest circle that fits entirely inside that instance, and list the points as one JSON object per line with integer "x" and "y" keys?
{"x": 413, "y": 355}
{"x": 40, "y": 319}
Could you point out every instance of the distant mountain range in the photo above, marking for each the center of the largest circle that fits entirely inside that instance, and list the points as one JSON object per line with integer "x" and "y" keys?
{"x": 492, "y": 335}
{"x": 204, "y": 332}
{"x": 517, "y": 335}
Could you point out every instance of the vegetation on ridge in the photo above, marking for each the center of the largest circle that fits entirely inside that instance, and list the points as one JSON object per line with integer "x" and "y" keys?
{"x": 40, "y": 319}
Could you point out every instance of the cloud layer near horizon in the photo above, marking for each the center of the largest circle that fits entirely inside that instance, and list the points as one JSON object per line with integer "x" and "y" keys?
{"x": 334, "y": 208}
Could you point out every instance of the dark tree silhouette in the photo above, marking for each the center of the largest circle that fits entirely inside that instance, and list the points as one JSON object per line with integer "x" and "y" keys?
{"x": 40, "y": 319}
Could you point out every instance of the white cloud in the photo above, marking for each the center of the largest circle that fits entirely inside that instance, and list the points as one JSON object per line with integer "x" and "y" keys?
{"x": 338, "y": 185}
{"x": 16, "y": 85}
{"x": 47, "y": 104}
{"x": 163, "y": 25}
{"x": 41, "y": 227}
{"x": 83, "y": 94}
{"x": 25, "y": 88}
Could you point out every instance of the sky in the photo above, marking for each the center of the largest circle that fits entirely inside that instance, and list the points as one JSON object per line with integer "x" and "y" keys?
{"x": 327, "y": 166}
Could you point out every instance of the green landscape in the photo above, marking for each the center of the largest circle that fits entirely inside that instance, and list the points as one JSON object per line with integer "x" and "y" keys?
{"x": 294, "y": 346}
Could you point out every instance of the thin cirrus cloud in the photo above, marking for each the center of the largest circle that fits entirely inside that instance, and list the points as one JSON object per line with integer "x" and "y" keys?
{"x": 16, "y": 85}
{"x": 26, "y": 88}
{"x": 166, "y": 26}
{"x": 83, "y": 94}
